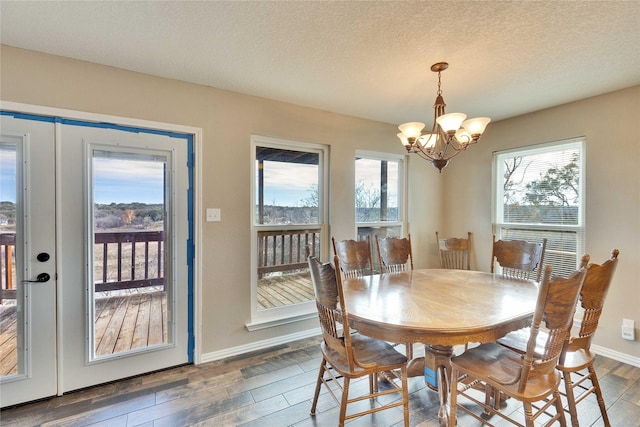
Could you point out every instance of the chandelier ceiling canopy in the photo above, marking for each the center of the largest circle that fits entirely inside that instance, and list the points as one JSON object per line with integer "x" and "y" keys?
{"x": 449, "y": 135}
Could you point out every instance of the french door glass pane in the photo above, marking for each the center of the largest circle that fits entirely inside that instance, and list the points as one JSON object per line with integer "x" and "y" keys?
{"x": 129, "y": 251}
{"x": 11, "y": 296}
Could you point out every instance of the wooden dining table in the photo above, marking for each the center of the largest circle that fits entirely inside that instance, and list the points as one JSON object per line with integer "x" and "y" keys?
{"x": 439, "y": 308}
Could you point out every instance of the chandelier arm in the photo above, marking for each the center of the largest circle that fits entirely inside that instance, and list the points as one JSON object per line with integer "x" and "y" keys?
{"x": 439, "y": 146}
{"x": 423, "y": 154}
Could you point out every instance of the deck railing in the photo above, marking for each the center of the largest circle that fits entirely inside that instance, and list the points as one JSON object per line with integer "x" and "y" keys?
{"x": 7, "y": 266}
{"x": 128, "y": 260}
{"x": 285, "y": 250}
{"x": 123, "y": 260}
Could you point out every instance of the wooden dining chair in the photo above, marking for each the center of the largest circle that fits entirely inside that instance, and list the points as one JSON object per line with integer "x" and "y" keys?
{"x": 577, "y": 356}
{"x": 518, "y": 259}
{"x": 394, "y": 254}
{"x": 530, "y": 377}
{"x": 347, "y": 355}
{"x": 355, "y": 257}
{"x": 455, "y": 253}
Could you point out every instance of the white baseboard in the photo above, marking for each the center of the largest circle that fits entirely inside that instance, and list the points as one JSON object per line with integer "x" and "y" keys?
{"x": 259, "y": 345}
{"x": 616, "y": 355}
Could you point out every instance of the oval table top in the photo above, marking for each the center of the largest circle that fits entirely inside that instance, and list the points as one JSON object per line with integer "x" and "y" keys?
{"x": 438, "y": 306}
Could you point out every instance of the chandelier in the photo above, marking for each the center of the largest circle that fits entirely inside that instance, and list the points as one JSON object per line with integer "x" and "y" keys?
{"x": 450, "y": 134}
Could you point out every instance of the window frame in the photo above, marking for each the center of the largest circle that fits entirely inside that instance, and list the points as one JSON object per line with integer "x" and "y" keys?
{"x": 497, "y": 209}
{"x": 276, "y": 316}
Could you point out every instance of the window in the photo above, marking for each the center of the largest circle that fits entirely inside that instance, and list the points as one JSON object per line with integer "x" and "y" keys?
{"x": 379, "y": 184}
{"x": 538, "y": 193}
{"x": 289, "y": 212}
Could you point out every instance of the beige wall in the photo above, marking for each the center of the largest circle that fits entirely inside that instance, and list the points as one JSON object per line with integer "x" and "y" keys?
{"x": 456, "y": 201}
{"x": 610, "y": 125}
{"x": 227, "y": 119}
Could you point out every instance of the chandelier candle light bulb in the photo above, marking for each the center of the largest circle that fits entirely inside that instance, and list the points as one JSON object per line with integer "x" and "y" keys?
{"x": 450, "y": 134}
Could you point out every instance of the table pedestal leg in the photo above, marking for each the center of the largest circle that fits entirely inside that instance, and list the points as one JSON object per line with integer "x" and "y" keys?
{"x": 437, "y": 359}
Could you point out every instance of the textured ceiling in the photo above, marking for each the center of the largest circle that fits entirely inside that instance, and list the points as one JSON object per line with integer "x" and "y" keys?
{"x": 366, "y": 59}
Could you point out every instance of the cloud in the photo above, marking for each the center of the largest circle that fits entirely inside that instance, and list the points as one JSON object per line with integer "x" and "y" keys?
{"x": 127, "y": 181}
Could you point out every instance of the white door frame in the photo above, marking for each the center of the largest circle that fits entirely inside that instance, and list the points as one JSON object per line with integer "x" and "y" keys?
{"x": 197, "y": 196}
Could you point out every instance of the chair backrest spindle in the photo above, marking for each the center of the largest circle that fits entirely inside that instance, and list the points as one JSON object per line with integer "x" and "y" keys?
{"x": 355, "y": 257}
{"x": 557, "y": 299}
{"x": 395, "y": 254}
{"x": 330, "y": 305}
{"x": 454, "y": 253}
{"x": 519, "y": 259}
{"x": 592, "y": 296}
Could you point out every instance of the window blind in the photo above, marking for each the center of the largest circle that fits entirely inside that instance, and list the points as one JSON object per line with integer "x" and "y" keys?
{"x": 538, "y": 193}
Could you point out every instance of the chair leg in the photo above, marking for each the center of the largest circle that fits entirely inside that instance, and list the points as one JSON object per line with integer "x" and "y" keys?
{"x": 453, "y": 397}
{"x": 405, "y": 395}
{"x": 345, "y": 398}
{"x": 596, "y": 386}
{"x": 409, "y": 350}
{"x": 373, "y": 383}
{"x": 559, "y": 408}
{"x": 489, "y": 392}
{"x": 323, "y": 367}
{"x": 571, "y": 398}
{"x": 528, "y": 414}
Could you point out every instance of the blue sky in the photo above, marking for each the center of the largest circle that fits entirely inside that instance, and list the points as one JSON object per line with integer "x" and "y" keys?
{"x": 287, "y": 184}
{"x": 118, "y": 180}
{"x": 115, "y": 180}
{"x": 7, "y": 175}
{"x": 127, "y": 181}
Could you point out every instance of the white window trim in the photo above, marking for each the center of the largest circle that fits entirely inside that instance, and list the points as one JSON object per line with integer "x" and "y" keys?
{"x": 497, "y": 209}
{"x": 261, "y": 319}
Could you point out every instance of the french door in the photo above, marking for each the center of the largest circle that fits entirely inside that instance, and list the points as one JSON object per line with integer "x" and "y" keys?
{"x": 95, "y": 285}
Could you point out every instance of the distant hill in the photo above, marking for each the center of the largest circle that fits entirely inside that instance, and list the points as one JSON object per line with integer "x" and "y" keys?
{"x": 128, "y": 215}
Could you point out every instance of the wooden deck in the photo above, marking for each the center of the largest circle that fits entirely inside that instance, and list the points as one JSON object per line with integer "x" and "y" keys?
{"x": 8, "y": 353}
{"x": 285, "y": 289}
{"x": 127, "y": 322}
{"x": 122, "y": 323}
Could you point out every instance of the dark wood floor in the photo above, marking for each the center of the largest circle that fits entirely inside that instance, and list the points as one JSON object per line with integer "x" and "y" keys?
{"x": 273, "y": 387}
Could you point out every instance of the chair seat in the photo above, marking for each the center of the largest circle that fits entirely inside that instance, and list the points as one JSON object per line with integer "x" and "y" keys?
{"x": 577, "y": 360}
{"x": 368, "y": 351}
{"x": 497, "y": 366}
{"x": 517, "y": 341}
{"x": 574, "y": 360}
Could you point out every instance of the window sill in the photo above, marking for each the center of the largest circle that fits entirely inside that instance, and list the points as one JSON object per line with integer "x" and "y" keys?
{"x": 271, "y": 323}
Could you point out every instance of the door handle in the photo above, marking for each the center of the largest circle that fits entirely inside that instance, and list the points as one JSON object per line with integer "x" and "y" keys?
{"x": 41, "y": 278}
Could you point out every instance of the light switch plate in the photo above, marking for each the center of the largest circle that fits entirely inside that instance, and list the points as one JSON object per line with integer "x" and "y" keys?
{"x": 214, "y": 214}
{"x": 628, "y": 332}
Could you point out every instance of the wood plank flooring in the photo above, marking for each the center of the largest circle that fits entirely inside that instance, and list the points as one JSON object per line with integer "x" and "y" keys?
{"x": 273, "y": 388}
